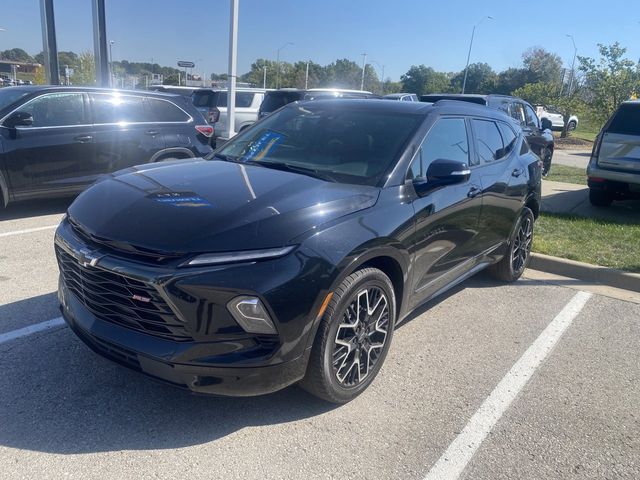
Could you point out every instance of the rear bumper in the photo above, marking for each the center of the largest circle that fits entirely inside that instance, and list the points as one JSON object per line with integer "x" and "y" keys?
{"x": 619, "y": 184}
{"x": 155, "y": 357}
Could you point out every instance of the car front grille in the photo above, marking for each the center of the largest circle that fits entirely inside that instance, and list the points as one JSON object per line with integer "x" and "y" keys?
{"x": 121, "y": 300}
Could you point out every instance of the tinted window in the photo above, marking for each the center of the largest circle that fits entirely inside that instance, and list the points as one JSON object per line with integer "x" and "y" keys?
{"x": 243, "y": 99}
{"x": 275, "y": 100}
{"x": 407, "y": 99}
{"x": 10, "y": 95}
{"x": 532, "y": 118}
{"x": 341, "y": 145}
{"x": 626, "y": 120}
{"x": 489, "y": 140}
{"x": 119, "y": 109}
{"x": 446, "y": 140}
{"x": 164, "y": 111}
{"x": 57, "y": 109}
{"x": 509, "y": 137}
{"x": 205, "y": 98}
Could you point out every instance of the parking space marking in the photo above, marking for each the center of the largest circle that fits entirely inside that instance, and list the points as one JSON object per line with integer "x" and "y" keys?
{"x": 38, "y": 327}
{"x": 454, "y": 460}
{"x": 28, "y": 230}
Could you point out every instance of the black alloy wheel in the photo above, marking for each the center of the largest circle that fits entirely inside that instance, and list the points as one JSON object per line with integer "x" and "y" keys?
{"x": 353, "y": 337}
{"x": 511, "y": 267}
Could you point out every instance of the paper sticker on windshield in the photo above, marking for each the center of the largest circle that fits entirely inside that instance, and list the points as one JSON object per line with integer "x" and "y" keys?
{"x": 180, "y": 199}
{"x": 261, "y": 147}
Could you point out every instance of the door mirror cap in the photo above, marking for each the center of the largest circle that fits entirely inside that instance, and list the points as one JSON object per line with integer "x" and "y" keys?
{"x": 441, "y": 173}
{"x": 19, "y": 119}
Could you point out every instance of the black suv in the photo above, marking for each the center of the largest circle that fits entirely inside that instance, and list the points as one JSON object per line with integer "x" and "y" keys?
{"x": 292, "y": 253}
{"x": 274, "y": 99}
{"x": 538, "y": 132}
{"x": 55, "y": 141}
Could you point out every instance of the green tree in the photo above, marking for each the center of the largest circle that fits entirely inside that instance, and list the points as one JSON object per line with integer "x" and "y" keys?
{"x": 480, "y": 79}
{"x": 511, "y": 79}
{"x": 84, "y": 73}
{"x": 16, "y": 55}
{"x": 421, "y": 79}
{"x": 610, "y": 81}
{"x": 543, "y": 66}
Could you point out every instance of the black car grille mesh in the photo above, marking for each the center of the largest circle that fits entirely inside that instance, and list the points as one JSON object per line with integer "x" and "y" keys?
{"x": 121, "y": 300}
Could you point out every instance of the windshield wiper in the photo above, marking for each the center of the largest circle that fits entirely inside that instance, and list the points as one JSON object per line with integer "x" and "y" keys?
{"x": 226, "y": 158}
{"x": 288, "y": 167}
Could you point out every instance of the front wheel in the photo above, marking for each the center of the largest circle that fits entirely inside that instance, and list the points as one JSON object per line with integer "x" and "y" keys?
{"x": 353, "y": 337}
{"x": 513, "y": 264}
{"x": 547, "y": 155}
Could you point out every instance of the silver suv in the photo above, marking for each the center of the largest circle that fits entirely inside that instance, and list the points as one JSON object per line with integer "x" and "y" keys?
{"x": 614, "y": 168}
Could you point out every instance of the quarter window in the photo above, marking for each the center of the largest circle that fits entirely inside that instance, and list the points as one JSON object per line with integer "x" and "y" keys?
{"x": 489, "y": 140}
{"x": 447, "y": 140}
{"x": 508, "y": 137}
{"x": 164, "y": 111}
{"x": 243, "y": 99}
{"x": 57, "y": 110}
{"x": 532, "y": 118}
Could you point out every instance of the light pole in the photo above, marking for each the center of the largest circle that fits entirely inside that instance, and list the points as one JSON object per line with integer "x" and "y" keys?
{"x": 382, "y": 77}
{"x": 466, "y": 68}
{"x": 306, "y": 77}
{"x": 233, "y": 65}
{"x": 364, "y": 65}
{"x": 573, "y": 63}
{"x": 111, "y": 42}
{"x": 264, "y": 77}
{"x": 278, "y": 63}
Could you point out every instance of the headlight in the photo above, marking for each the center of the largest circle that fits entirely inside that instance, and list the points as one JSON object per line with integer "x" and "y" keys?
{"x": 244, "y": 256}
{"x": 250, "y": 313}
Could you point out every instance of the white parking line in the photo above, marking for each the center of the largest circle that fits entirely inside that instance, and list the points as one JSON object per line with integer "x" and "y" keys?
{"x": 28, "y": 230}
{"x": 454, "y": 460}
{"x": 38, "y": 327}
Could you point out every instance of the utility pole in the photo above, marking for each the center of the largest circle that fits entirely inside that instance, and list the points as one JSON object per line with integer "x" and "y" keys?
{"x": 306, "y": 77}
{"x": 264, "y": 77}
{"x": 573, "y": 63}
{"x": 466, "y": 68}
{"x": 364, "y": 65}
{"x": 278, "y": 63}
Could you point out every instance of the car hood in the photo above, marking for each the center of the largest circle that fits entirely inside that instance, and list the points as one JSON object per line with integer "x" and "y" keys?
{"x": 211, "y": 206}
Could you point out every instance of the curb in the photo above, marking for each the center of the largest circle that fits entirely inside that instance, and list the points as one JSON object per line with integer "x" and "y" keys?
{"x": 585, "y": 271}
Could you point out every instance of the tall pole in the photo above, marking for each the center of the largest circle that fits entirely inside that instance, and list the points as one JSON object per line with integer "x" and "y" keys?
{"x": 306, "y": 77}
{"x": 381, "y": 67}
{"x": 364, "y": 65}
{"x": 466, "y": 68}
{"x": 278, "y": 63}
{"x": 49, "y": 43}
{"x": 111, "y": 76}
{"x": 233, "y": 63}
{"x": 103, "y": 73}
{"x": 573, "y": 63}
{"x": 264, "y": 77}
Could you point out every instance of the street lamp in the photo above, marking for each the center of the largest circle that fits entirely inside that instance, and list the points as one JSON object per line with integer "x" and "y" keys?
{"x": 364, "y": 65}
{"x": 111, "y": 42}
{"x": 573, "y": 63}
{"x": 382, "y": 77}
{"x": 278, "y": 63}
{"x": 473, "y": 32}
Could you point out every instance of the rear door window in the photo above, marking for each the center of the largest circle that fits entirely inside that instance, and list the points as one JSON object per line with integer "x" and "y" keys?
{"x": 626, "y": 120}
{"x": 165, "y": 111}
{"x": 509, "y": 137}
{"x": 57, "y": 110}
{"x": 531, "y": 117}
{"x": 119, "y": 109}
{"x": 243, "y": 99}
{"x": 489, "y": 140}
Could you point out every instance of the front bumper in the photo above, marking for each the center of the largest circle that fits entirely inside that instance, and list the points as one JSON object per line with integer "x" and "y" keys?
{"x": 202, "y": 348}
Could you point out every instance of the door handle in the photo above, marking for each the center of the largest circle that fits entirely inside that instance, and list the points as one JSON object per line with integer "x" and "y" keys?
{"x": 474, "y": 191}
{"x": 517, "y": 172}
{"x": 83, "y": 138}
{"x": 153, "y": 133}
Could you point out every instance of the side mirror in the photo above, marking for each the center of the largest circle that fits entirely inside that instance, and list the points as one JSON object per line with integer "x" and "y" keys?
{"x": 546, "y": 123}
{"x": 441, "y": 173}
{"x": 19, "y": 119}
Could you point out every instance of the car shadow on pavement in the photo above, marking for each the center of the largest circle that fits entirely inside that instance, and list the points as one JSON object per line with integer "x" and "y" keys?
{"x": 26, "y": 312}
{"x": 60, "y": 397}
{"x": 35, "y": 208}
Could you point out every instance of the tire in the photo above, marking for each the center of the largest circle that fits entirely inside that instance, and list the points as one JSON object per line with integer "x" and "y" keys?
{"x": 547, "y": 155}
{"x": 600, "y": 198}
{"x": 336, "y": 372}
{"x": 572, "y": 126}
{"x": 513, "y": 264}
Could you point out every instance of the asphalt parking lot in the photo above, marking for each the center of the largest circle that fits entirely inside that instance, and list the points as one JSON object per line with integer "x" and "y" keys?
{"x": 533, "y": 380}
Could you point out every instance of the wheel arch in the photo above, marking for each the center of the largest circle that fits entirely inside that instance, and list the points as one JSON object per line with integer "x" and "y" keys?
{"x": 172, "y": 150}
{"x": 532, "y": 204}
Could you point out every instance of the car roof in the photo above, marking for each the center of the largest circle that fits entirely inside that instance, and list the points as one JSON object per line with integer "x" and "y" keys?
{"x": 63, "y": 88}
{"x": 399, "y": 94}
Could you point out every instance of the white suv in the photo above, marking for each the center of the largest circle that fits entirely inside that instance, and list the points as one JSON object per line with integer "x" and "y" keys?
{"x": 556, "y": 118}
{"x": 248, "y": 102}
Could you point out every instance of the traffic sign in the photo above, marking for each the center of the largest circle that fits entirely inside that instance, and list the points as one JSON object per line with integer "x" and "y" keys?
{"x": 185, "y": 64}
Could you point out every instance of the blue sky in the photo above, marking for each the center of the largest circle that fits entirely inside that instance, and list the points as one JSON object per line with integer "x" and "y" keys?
{"x": 395, "y": 34}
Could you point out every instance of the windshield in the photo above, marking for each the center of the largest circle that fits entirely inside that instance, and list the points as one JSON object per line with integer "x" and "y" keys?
{"x": 10, "y": 95}
{"x": 339, "y": 144}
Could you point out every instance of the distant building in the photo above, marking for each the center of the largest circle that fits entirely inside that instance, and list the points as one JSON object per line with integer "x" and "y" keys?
{"x": 23, "y": 67}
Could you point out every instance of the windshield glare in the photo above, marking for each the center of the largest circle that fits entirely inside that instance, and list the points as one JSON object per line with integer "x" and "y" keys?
{"x": 9, "y": 95}
{"x": 347, "y": 145}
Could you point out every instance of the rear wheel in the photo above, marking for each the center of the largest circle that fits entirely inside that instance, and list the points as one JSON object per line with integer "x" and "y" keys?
{"x": 547, "y": 154}
{"x": 572, "y": 125}
{"x": 513, "y": 264}
{"x": 600, "y": 198}
{"x": 353, "y": 337}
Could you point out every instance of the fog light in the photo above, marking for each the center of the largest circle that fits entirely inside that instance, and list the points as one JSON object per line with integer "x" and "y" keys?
{"x": 250, "y": 313}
